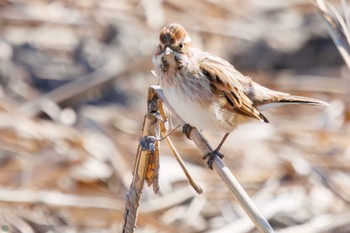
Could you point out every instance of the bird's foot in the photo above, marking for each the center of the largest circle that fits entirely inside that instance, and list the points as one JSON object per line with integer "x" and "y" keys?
{"x": 186, "y": 129}
{"x": 211, "y": 157}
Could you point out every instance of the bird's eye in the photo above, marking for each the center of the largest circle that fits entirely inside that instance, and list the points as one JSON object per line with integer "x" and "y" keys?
{"x": 181, "y": 45}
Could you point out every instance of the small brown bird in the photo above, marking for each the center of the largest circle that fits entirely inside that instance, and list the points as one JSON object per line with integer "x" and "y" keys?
{"x": 208, "y": 92}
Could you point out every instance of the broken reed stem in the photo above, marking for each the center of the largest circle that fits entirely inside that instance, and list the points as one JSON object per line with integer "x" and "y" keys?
{"x": 246, "y": 203}
{"x": 141, "y": 166}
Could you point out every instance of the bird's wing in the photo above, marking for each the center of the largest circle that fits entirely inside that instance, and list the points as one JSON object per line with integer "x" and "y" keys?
{"x": 228, "y": 84}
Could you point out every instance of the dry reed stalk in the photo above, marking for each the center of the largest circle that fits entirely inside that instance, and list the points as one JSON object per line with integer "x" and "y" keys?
{"x": 146, "y": 167}
{"x": 146, "y": 164}
{"x": 337, "y": 27}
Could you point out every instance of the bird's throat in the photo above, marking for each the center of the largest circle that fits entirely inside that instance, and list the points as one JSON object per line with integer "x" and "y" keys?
{"x": 170, "y": 63}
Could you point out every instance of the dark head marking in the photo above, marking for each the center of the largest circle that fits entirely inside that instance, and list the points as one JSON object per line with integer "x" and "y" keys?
{"x": 172, "y": 33}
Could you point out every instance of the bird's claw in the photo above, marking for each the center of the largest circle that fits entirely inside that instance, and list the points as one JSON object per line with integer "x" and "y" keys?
{"x": 186, "y": 129}
{"x": 211, "y": 157}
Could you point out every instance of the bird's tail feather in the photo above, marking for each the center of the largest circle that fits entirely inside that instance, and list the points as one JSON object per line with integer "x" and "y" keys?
{"x": 292, "y": 99}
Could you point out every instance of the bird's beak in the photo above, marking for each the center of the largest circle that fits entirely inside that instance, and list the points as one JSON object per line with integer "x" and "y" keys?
{"x": 168, "y": 51}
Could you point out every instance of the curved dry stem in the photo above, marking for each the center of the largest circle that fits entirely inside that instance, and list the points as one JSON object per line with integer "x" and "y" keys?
{"x": 337, "y": 28}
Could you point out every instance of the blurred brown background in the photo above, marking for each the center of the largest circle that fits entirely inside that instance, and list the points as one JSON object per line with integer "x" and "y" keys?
{"x": 74, "y": 78}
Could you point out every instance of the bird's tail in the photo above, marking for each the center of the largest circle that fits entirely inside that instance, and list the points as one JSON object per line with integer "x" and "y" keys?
{"x": 280, "y": 98}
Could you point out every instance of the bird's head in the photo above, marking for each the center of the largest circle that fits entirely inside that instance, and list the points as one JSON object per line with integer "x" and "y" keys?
{"x": 174, "y": 49}
{"x": 173, "y": 38}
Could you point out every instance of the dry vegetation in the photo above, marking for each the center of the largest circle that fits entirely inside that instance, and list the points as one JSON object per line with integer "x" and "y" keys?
{"x": 74, "y": 77}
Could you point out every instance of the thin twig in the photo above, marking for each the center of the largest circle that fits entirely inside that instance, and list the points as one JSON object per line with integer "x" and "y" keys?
{"x": 192, "y": 182}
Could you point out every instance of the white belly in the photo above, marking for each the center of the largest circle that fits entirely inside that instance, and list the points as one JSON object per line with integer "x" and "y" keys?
{"x": 197, "y": 115}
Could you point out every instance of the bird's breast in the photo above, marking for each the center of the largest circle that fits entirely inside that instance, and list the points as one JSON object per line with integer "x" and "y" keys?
{"x": 194, "y": 104}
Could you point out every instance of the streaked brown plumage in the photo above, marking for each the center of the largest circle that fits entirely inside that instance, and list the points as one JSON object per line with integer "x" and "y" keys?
{"x": 207, "y": 91}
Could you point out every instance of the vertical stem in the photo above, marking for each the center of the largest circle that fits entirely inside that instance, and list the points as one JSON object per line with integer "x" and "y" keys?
{"x": 150, "y": 127}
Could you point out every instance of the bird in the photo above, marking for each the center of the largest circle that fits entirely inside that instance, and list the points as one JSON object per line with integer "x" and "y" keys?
{"x": 208, "y": 92}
